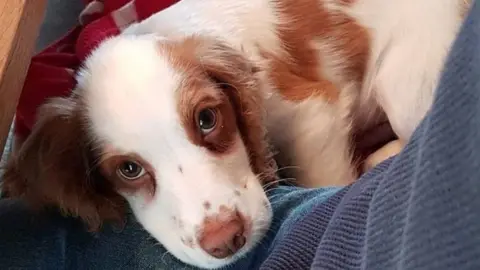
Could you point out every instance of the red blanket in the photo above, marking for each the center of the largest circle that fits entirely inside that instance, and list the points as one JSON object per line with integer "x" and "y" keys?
{"x": 52, "y": 71}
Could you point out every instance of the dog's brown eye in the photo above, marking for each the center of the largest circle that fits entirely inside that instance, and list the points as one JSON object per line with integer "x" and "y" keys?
{"x": 130, "y": 170}
{"x": 207, "y": 120}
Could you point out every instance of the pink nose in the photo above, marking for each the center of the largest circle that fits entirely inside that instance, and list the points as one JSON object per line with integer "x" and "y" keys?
{"x": 223, "y": 238}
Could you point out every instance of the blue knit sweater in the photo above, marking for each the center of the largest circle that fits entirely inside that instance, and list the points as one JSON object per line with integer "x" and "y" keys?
{"x": 420, "y": 210}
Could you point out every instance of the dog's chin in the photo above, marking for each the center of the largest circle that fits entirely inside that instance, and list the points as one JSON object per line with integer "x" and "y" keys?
{"x": 214, "y": 263}
{"x": 221, "y": 263}
{"x": 204, "y": 261}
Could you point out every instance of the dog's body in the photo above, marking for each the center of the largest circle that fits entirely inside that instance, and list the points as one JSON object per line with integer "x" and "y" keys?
{"x": 334, "y": 67}
{"x": 172, "y": 114}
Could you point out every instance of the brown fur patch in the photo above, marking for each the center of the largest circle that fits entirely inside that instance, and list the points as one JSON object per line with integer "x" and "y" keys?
{"x": 111, "y": 160}
{"x": 56, "y": 167}
{"x": 305, "y": 21}
{"x": 200, "y": 91}
{"x": 195, "y": 98}
{"x": 220, "y": 77}
{"x": 295, "y": 87}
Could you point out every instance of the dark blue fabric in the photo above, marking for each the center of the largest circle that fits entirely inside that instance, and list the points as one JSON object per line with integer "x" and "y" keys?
{"x": 419, "y": 210}
{"x": 49, "y": 241}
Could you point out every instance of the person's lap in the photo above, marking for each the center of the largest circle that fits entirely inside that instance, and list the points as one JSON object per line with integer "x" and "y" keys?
{"x": 36, "y": 240}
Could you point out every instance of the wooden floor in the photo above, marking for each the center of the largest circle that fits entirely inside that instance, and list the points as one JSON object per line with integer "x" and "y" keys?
{"x": 19, "y": 24}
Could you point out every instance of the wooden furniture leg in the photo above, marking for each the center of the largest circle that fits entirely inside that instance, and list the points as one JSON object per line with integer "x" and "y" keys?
{"x": 20, "y": 21}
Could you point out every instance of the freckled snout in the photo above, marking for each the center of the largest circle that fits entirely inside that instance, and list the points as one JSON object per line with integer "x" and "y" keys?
{"x": 223, "y": 234}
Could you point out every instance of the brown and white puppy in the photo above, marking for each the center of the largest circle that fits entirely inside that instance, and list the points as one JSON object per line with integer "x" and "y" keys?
{"x": 173, "y": 115}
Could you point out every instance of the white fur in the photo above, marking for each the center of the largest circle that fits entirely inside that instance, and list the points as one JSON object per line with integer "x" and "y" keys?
{"x": 312, "y": 139}
{"x": 245, "y": 24}
{"x": 411, "y": 40}
{"x": 130, "y": 92}
{"x": 137, "y": 112}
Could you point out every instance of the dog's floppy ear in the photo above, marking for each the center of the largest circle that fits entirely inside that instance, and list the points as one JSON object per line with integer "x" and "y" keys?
{"x": 55, "y": 167}
{"x": 240, "y": 78}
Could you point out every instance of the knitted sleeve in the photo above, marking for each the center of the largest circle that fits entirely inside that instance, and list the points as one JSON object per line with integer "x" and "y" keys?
{"x": 419, "y": 210}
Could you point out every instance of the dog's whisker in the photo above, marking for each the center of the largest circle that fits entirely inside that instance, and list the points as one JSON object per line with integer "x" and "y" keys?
{"x": 286, "y": 168}
{"x": 278, "y": 181}
{"x": 261, "y": 176}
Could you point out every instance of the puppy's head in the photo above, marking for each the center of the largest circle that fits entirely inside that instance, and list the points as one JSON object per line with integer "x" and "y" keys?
{"x": 173, "y": 127}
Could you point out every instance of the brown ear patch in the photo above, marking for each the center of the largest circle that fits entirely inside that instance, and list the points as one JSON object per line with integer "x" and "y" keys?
{"x": 55, "y": 167}
{"x": 216, "y": 73}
